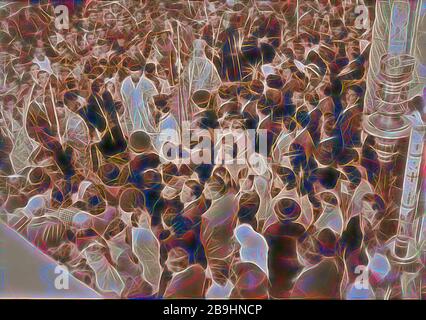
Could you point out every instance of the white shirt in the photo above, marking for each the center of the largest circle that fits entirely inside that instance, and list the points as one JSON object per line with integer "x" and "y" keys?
{"x": 43, "y": 64}
{"x": 138, "y": 115}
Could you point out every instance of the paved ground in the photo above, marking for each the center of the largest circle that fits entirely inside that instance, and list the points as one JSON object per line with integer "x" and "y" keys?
{"x": 27, "y": 273}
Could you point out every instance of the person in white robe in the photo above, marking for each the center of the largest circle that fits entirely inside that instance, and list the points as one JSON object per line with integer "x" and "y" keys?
{"x": 137, "y": 92}
{"x": 76, "y": 133}
{"x": 200, "y": 73}
{"x": 42, "y": 60}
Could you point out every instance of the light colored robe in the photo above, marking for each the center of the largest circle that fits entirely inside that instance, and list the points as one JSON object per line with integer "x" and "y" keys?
{"x": 138, "y": 115}
{"x": 200, "y": 73}
{"x": 77, "y": 135}
{"x": 44, "y": 65}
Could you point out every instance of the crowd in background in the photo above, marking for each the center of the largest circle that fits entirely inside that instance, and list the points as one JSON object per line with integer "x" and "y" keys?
{"x": 83, "y": 177}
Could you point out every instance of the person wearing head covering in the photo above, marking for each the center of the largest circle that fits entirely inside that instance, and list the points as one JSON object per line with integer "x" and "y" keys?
{"x": 108, "y": 280}
{"x": 283, "y": 235}
{"x": 217, "y": 225}
{"x": 323, "y": 279}
{"x": 200, "y": 73}
{"x": 137, "y": 91}
{"x": 254, "y": 247}
{"x": 75, "y": 130}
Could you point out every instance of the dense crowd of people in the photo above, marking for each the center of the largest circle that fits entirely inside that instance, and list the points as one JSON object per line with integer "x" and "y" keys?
{"x": 83, "y": 160}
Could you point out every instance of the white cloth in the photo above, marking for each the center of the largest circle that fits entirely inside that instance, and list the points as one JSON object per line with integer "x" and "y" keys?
{"x": 138, "y": 115}
{"x": 76, "y": 131}
{"x": 107, "y": 277}
{"x": 254, "y": 247}
{"x": 43, "y": 64}
{"x": 216, "y": 291}
{"x": 168, "y": 131}
{"x": 200, "y": 72}
{"x": 147, "y": 248}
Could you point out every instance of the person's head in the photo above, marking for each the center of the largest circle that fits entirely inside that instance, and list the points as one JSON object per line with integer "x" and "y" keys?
{"x": 70, "y": 38}
{"x": 352, "y": 95}
{"x": 133, "y": 50}
{"x": 243, "y": 232}
{"x": 38, "y": 176}
{"x": 215, "y": 188}
{"x": 39, "y": 53}
{"x": 136, "y": 71}
{"x": 245, "y": 180}
{"x": 298, "y": 98}
{"x": 91, "y": 39}
{"x": 130, "y": 199}
{"x": 191, "y": 191}
{"x": 96, "y": 85}
{"x": 287, "y": 210}
{"x": 201, "y": 98}
{"x": 62, "y": 49}
{"x": 120, "y": 25}
{"x": 34, "y": 69}
{"x": 299, "y": 52}
{"x": 109, "y": 18}
{"x": 274, "y": 81}
{"x": 12, "y": 84}
{"x": 286, "y": 73}
{"x": 109, "y": 174}
{"x": 223, "y": 173}
{"x": 115, "y": 8}
{"x": 139, "y": 15}
{"x": 248, "y": 206}
{"x": 329, "y": 123}
{"x": 353, "y": 51}
{"x": 94, "y": 199}
{"x": 373, "y": 208}
{"x": 328, "y": 242}
{"x": 169, "y": 172}
{"x": 152, "y": 179}
{"x": 161, "y": 103}
{"x": 114, "y": 228}
{"x": 56, "y": 68}
{"x": 19, "y": 67}
{"x": 71, "y": 101}
{"x": 110, "y": 86}
{"x": 199, "y": 47}
{"x": 337, "y": 28}
{"x": 328, "y": 200}
{"x": 18, "y": 45}
{"x": 97, "y": 51}
{"x": 140, "y": 141}
{"x": 324, "y": 29}
{"x": 164, "y": 36}
{"x": 150, "y": 68}
{"x": 9, "y": 103}
{"x": 42, "y": 78}
{"x": 60, "y": 109}
{"x": 177, "y": 259}
{"x": 286, "y": 178}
